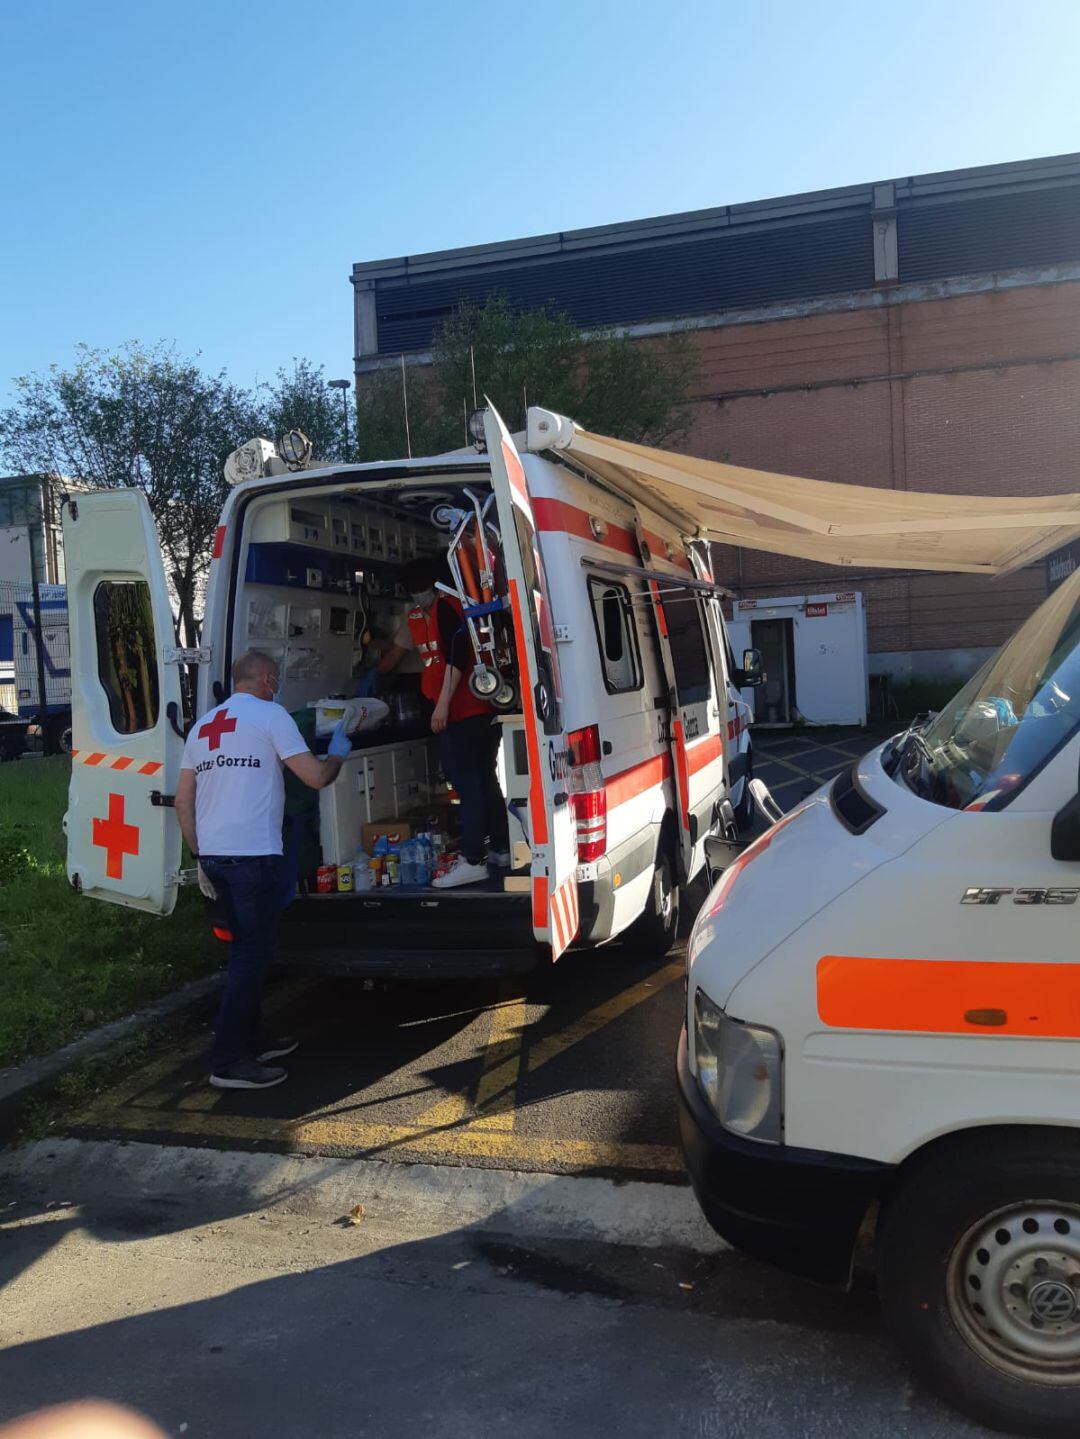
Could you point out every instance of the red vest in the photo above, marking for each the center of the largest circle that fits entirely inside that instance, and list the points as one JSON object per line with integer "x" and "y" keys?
{"x": 424, "y": 628}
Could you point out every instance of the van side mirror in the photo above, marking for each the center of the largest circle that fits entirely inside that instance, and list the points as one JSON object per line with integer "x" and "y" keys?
{"x": 1065, "y": 831}
{"x": 752, "y": 674}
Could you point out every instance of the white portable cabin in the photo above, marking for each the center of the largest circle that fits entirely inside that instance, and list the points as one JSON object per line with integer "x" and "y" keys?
{"x": 813, "y": 654}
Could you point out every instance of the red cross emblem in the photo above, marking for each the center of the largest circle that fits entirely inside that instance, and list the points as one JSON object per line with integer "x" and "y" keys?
{"x": 115, "y": 837}
{"x": 215, "y": 728}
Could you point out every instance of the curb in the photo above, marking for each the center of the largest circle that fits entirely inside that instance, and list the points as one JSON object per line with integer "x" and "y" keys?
{"x": 418, "y": 1198}
{"x": 24, "y": 1082}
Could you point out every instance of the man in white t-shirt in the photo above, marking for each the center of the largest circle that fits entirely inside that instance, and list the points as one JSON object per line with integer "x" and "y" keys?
{"x": 229, "y": 801}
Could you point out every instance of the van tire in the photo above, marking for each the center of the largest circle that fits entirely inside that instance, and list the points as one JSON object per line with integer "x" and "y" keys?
{"x": 963, "y": 1218}
{"x": 58, "y": 735}
{"x": 654, "y": 933}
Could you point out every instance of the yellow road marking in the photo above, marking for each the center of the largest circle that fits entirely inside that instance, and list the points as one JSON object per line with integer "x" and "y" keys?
{"x": 464, "y": 1142}
{"x": 502, "y": 1080}
{"x": 444, "y": 1129}
{"x": 506, "y": 1025}
{"x": 494, "y": 1102}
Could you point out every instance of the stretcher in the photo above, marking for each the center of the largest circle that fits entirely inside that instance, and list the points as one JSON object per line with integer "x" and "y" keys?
{"x": 479, "y": 585}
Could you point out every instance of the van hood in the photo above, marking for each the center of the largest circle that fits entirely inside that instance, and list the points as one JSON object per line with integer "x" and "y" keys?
{"x": 792, "y": 871}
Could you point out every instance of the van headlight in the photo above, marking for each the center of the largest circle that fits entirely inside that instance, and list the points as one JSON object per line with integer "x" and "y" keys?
{"x": 740, "y": 1068}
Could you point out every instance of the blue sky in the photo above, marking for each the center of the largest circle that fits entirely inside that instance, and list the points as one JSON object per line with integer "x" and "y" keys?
{"x": 207, "y": 173}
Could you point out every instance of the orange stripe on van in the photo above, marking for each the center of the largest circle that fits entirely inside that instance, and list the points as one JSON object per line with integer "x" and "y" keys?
{"x": 683, "y": 772}
{"x": 540, "y": 901}
{"x": 629, "y": 783}
{"x": 949, "y": 996}
{"x": 537, "y": 808}
{"x": 558, "y": 516}
{"x": 703, "y": 751}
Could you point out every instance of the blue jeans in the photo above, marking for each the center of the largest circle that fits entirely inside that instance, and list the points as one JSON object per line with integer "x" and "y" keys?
{"x": 250, "y": 887}
{"x": 468, "y": 751}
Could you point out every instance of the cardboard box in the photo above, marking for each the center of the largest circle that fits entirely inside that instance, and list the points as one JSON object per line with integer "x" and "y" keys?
{"x": 371, "y": 832}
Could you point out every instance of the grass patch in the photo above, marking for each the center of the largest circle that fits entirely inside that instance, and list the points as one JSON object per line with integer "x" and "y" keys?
{"x": 67, "y": 962}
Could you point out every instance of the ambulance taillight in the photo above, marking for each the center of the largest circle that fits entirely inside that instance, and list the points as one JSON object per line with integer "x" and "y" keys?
{"x": 587, "y": 793}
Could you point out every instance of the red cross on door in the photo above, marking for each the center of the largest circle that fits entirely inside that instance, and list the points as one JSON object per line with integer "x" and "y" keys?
{"x": 115, "y": 837}
{"x": 215, "y": 728}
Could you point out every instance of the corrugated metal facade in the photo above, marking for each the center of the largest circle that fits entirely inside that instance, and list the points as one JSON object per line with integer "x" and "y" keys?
{"x": 999, "y": 232}
{"x": 628, "y": 285}
{"x": 803, "y": 247}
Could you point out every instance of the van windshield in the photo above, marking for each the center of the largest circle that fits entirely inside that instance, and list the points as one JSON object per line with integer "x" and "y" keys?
{"x": 1009, "y": 718}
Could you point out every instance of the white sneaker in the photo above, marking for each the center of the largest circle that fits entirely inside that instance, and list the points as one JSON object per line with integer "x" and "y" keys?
{"x": 500, "y": 858}
{"x": 461, "y": 872}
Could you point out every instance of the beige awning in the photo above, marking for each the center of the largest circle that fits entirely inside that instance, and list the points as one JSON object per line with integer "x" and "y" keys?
{"x": 817, "y": 519}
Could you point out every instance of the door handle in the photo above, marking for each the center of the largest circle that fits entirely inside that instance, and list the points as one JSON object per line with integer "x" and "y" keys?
{"x": 561, "y": 798}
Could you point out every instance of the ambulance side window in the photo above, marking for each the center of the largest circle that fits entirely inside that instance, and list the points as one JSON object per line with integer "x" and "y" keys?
{"x": 686, "y": 639}
{"x": 127, "y": 653}
{"x": 616, "y": 635}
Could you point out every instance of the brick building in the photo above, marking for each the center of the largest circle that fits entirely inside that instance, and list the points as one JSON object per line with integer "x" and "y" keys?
{"x": 917, "y": 334}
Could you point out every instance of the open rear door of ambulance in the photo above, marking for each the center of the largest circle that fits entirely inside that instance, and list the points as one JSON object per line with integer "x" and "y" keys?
{"x": 122, "y": 836}
{"x": 697, "y": 749}
{"x": 552, "y": 821}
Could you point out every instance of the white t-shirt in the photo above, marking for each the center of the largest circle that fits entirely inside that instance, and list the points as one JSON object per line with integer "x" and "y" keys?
{"x": 236, "y": 752}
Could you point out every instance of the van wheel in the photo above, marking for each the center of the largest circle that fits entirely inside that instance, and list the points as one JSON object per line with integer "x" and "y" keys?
{"x": 654, "y": 933}
{"x": 58, "y": 735}
{"x": 979, "y": 1274}
{"x": 744, "y": 812}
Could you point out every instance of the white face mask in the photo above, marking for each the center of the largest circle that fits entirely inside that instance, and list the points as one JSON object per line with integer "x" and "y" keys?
{"x": 424, "y": 598}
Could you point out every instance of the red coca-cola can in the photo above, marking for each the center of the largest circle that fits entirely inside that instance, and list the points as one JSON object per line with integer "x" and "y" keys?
{"x": 326, "y": 878}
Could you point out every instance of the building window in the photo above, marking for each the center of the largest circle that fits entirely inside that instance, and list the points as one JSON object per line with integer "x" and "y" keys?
{"x": 616, "y": 635}
{"x": 686, "y": 640}
{"x": 127, "y": 653}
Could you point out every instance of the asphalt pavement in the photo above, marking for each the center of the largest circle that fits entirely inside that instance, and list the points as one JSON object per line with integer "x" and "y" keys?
{"x": 569, "y": 1070}
{"x": 227, "y": 1298}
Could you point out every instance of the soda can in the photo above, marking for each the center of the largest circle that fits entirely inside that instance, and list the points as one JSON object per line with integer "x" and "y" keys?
{"x": 344, "y": 878}
{"x": 326, "y": 878}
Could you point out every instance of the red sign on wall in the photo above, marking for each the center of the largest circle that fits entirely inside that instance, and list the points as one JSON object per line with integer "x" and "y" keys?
{"x": 816, "y": 612}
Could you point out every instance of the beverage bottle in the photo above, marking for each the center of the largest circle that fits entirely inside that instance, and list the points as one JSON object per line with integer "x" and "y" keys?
{"x": 363, "y": 878}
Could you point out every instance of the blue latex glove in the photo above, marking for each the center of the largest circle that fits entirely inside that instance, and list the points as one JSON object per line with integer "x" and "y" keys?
{"x": 340, "y": 744}
{"x": 366, "y": 682}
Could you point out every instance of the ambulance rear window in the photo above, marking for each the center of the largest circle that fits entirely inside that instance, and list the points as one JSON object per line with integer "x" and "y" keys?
{"x": 127, "y": 653}
{"x": 616, "y": 635}
{"x": 686, "y": 638}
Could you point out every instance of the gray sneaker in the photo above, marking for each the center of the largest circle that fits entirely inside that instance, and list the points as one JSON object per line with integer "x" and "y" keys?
{"x": 248, "y": 1074}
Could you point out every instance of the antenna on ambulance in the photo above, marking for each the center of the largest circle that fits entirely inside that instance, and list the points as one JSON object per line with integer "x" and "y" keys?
{"x": 405, "y": 402}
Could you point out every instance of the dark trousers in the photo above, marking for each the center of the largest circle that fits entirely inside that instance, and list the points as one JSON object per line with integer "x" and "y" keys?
{"x": 468, "y": 751}
{"x": 250, "y": 889}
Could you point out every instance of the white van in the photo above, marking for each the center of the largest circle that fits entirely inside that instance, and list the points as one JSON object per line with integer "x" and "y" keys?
{"x": 629, "y": 745}
{"x": 888, "y": 1062}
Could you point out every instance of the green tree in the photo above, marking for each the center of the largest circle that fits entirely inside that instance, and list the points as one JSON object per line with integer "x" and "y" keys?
{"x": 143, "y": 418}
{"x": 631, "y": 389}
{"x": 300, "y": 399}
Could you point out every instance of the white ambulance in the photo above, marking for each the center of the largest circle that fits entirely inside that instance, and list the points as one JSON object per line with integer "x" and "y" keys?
{"x": 887, "y": 1065}
{"x": 626, "y": 747}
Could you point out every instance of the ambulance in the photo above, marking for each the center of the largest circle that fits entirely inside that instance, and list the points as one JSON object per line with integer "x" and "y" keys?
{"x": 884, "y": 1069}
{"x": 624, "y": 740}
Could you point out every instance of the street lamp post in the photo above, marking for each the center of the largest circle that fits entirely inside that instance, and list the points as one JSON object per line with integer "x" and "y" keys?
{"x": 343, "y": 386}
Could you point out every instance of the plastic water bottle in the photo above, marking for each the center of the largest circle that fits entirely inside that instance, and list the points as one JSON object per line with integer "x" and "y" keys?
{"x": 363, "y": 878}
{"x": 423, "y": 859}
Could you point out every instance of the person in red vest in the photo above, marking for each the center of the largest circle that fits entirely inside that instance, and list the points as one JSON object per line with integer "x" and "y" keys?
{"x": 468, "y": 735}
